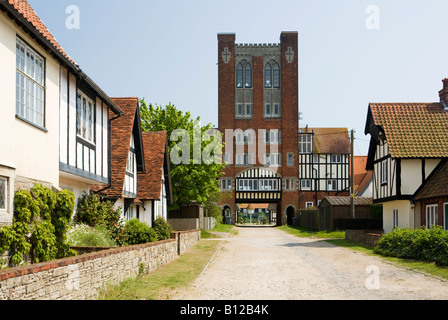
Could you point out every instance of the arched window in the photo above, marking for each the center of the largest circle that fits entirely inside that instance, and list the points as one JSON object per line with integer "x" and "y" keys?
{"x": 272, "y": 75}
{"x": 276, "y": 75}
{"x": 268, "y": 76}
{"x": 244, "y": 75}
{"x": 239, "y": 76}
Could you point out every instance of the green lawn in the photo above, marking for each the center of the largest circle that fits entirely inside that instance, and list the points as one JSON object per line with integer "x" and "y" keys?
{"x": 338, "y": 238}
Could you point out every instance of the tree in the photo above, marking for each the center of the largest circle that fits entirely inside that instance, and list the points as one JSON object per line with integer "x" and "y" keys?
{"x": 195, "y": 157}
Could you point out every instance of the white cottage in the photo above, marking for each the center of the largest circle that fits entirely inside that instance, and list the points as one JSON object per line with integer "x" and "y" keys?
{"x": 54, "y": 124}
{"x": 408, "y": 141}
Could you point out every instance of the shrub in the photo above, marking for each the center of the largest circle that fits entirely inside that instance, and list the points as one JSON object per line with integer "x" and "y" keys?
{"x": 139, "y": 232}
{"x": 162, "y": 228}
{"x": 83, "y": 235}
{"x": 94, "y": 212}
{"x": 41, "y": 217}
{"x": 425, "y": 244}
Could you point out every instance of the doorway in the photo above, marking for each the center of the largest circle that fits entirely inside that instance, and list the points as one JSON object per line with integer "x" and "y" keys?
{"x": 290, "y": 212}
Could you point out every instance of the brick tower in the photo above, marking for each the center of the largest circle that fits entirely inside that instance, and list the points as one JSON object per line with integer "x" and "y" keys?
{"x": 258, "y": 114}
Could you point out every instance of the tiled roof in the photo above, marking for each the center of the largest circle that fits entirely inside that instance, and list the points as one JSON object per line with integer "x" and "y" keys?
{"x": 362, "y": 176}
{"x": 436, "y": 185}
{"x": 121, "y": 130}
{"x": 345, "y": 201}
{"x": 413, "y": 130}
{"x": 23, "y": 12}
{"x": 24, "y": 8}
{"x": 330, "y": 140}
{"x": 150, "y": 182}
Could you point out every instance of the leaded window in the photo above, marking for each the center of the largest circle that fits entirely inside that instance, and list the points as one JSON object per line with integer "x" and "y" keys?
{"x": 244, "y": 75}
{"x": 85, "y": 117}
{"x": 272, "y": 75}
{"x": 30, "y": 84}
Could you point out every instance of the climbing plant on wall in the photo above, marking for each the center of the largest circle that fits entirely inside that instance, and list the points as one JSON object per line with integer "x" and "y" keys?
{"x": 41, "y": 219}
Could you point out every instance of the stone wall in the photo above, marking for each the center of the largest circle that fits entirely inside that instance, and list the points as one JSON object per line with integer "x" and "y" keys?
{"x": 368, "y": 238}
{"x": 82, "y": 277}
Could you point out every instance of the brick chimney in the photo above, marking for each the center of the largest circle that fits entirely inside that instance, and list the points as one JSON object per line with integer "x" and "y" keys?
{"x": 444, "y": 94}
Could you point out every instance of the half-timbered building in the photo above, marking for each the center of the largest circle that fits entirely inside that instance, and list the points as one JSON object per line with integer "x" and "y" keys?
{"x": 408, "y": 141}
{"x": 55, "y": 126}
{"x": 324, "y": 164}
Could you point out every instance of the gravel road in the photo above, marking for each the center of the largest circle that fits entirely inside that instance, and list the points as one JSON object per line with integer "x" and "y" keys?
{"x": 269, "y": 264}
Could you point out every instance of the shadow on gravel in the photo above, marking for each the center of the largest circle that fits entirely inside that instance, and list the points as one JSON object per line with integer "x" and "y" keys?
{"x": 313, "y": 244}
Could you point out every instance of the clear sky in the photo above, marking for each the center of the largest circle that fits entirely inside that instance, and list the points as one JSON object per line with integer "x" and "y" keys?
{"x": 166, "y": 51}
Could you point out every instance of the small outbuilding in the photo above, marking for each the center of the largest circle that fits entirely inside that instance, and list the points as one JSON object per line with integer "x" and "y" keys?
{"x": 332, "y": 209}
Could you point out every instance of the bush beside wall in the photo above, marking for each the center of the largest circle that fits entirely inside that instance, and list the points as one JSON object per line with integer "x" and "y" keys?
{"x": 82, "y": 277}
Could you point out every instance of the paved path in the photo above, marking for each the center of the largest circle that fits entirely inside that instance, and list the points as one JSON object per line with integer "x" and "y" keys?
{"x": 269, "y": 264}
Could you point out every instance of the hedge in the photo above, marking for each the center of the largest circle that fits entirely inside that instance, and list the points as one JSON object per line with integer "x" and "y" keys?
{"x": 425, "y": 244}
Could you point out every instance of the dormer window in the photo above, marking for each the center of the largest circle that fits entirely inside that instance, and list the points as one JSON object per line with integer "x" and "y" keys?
{"x": 305, "y": 143}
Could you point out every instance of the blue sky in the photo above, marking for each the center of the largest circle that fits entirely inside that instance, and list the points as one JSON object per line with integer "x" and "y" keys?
{"x": 166, "y": 51}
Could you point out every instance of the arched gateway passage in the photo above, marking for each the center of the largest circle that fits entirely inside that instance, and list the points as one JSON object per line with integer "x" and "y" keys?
{"x": 257, "y": 193}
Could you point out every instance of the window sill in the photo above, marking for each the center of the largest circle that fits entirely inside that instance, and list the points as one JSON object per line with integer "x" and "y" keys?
{"x": 31, "y": 123}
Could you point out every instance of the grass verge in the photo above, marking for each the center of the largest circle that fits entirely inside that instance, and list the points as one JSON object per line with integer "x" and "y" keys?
{"x": 338, "y": 238}
{"x": 166, "y": 281}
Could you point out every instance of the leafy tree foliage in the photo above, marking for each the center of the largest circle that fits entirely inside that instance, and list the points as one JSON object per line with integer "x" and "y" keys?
{"x": 195, "y": 179}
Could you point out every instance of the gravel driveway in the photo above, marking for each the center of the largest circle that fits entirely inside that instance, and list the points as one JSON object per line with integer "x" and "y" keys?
{"x": 269, "y": 264}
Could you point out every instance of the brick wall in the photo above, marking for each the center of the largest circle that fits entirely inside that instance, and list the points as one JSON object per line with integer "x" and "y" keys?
{"x": 368, "y": 238}
{"x": 82, "y": 277}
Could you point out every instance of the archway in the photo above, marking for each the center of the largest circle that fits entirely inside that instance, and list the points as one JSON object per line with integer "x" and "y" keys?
{"x": 227, "y": 215}
{"x": 290, "y": 212}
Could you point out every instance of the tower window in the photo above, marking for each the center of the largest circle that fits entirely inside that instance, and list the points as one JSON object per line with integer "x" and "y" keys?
{"x": 272, "y": 75}
{"x": 244, "y": 75}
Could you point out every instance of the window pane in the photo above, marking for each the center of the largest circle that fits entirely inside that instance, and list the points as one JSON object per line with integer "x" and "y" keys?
{"x": 2, "y": 194}
{"x": 248, "y": 76}
{"x": 268, "y": 76}
{"x": 84, "y": 117}
{"x": 276, "y": 76}
{"x": 78, "y": 114}
{"x": 239, "y": 76}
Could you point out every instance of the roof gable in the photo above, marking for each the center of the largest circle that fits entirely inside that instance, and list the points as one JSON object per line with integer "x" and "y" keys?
{"x": 122, "y": 129}
{"x": 436, "y": 185}
{"x": 412, "y": 130}
{"x": 329, "y": 140}
{"x": 156, "y": 157}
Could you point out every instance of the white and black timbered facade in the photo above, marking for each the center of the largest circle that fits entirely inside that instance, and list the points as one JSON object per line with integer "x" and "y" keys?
{"x": 84, "y": 130}
{"x": 324, "y": 164}
{"x": 258, "y": 185}
{"x": 404, "y": 151}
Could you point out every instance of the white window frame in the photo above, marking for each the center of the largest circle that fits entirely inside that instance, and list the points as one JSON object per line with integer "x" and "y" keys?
{"x": 336, "y": 158}
{"x": 432, "y": 215}
{"x": 226, "y": 184}
{"x": 305, "y": 143}
{"x": 272, "y": 136}
{"x": 30, "y": 84}
{"x": 383, "y": 172}
{"x": 332, "y": 185}
{"x": 394, "y": 218}
{"x": 243, "y": 111}
{"x": 244, "y": 159}
{"x": 272, "y": 110}
{"x": 445, "y": 214}
{"x": 85, "y": 120}
{"x": 305, "y": 184}
{"x": 273, "y": 159}
{"x": 309, "y": 205}
{"x": 290, "y": 184}
{"x": 4, "y": 194}
{"x": 290, "y": 159}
